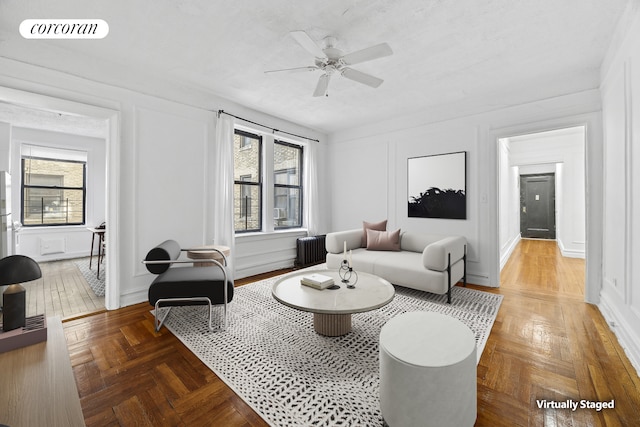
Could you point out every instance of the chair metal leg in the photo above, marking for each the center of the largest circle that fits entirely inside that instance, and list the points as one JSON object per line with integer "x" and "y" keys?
{"x": 223, "y": 327}
{"x": 464, "y": 263}
{"x": 159, "y": 324}
{"x": 449, "y": 280}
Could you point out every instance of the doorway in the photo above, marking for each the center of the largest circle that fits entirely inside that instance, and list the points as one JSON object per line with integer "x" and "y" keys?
{"x": 542, "y": 190}
{"x": 538, "y": 206}
{"x": 110, "y": 116}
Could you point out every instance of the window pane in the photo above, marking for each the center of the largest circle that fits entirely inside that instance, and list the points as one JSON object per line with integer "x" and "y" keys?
{"x": 246, "y": 158}
{"x": 288, "y": 185}
{"x": 53, "y": 192}
{"x": 53, "y": 173}
{"x": 246, "y": 210}
{"x": 286, "y": 212}
{"x": 247, "y": 169}
{"x": 286, "y": 161}
{"x": 44, "y": 206}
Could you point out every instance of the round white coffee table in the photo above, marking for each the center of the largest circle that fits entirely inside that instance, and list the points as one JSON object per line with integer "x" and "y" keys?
{"x": 332, "y": 308}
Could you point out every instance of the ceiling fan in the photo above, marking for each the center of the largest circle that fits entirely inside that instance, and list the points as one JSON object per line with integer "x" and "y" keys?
{"x": 331, "y": 60}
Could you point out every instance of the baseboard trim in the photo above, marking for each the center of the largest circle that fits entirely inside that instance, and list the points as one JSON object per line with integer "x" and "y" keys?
{"x": 259, "y": 268}
{"x": 135, "y": 297}
{"x": 627, "y": 338}
{"x": 479, "y": 280}
{"x": 511, "y": 246}
{"x": 571, "y": 253}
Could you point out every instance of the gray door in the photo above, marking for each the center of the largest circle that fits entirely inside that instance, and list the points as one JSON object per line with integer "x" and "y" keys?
{"x": 537, "y": 206}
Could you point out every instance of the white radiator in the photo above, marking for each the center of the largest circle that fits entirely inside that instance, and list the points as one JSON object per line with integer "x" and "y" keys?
{"x": 52, "y": 246}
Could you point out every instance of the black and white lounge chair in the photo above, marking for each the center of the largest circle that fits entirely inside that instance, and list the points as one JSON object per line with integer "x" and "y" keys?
{"x": 181, "y": 285}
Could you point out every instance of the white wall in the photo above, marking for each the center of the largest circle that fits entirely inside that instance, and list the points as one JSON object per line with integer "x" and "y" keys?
{"x": 542, "y": 153}
{"x": 509, "y": 200}
{"x": 159, "y": 161}
{"x": 5, "y": 146}
{"x": 51, "y": 243}
{"x": 369, "y": 177}
{"x": 620, "y": 298}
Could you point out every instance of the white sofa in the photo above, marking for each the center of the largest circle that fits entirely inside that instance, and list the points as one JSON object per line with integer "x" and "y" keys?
{"x": 425, "y": 262}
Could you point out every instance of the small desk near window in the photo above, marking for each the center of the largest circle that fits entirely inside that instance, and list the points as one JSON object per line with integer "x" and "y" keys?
{"x": 100, "y": 233}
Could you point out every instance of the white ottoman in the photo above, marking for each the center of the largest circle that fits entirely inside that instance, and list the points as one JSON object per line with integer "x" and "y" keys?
{"x": 427, "y": 371}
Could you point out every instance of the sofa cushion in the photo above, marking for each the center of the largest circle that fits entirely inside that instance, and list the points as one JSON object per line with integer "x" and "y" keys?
{"x": 189, "y": 282}
{"x": 404, "y": 268}
{"x": 416, "y": 242}
{"x": 436, "y": 255}
{"x": 334, "y": 242}
{"x": 383, "y": 240}
{"x": 379, "y": 226}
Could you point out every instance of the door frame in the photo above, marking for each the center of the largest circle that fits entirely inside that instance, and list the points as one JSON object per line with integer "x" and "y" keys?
{"x": 112, "y": 141}
{"x": 594, "y": 174}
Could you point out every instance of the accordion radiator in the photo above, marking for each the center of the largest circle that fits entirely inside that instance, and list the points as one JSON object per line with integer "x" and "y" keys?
{"x": 310, "y": 250}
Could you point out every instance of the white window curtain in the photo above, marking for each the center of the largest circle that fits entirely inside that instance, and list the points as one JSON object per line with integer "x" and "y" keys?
{"x": 310, "y": 197}
{"x": 223, "y": 227}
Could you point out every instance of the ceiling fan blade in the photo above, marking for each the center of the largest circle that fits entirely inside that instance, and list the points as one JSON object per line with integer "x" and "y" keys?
{"x": 306, "y": 42}
{"x": 368, "y": 54}
{"x": 322, "y": 86}
{"x": 293, "y": 70}
{"x": 360, "y": 77}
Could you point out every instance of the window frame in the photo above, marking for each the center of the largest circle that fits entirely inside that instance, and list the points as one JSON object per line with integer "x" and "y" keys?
{"x": 299, "y": 186}
{"x": 258, "y": 183}
{"x": 24, "y": 186}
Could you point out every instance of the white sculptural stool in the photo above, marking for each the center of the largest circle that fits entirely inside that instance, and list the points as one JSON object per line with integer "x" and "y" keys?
{"x": 427, "y": 371}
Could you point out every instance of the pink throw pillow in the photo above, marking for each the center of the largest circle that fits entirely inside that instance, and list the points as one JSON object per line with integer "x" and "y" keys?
{"x": 383, "y": 240}
{"x": 379, "y": 226}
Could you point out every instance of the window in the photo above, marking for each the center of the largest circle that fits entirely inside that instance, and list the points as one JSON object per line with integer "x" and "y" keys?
{"x": 247, "y": 181}
{"x": 287, "y": 181}
{"x": 53, "y": 192}
{"x": 245, "y": 142}
{"x": 281, "y": 177}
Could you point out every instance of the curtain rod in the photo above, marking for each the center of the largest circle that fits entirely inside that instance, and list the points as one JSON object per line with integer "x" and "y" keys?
{"x": 264, "y": 126}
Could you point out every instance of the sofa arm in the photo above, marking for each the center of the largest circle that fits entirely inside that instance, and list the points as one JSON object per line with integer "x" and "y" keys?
{"x": 335, "y": 241}
{"x": 436, "y": 255}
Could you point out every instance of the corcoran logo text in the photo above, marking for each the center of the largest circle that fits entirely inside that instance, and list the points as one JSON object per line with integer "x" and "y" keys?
{"x": 64, "y": 29}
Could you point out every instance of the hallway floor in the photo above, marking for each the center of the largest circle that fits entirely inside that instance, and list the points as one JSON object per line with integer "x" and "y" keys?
{"x": 61, "y": 291}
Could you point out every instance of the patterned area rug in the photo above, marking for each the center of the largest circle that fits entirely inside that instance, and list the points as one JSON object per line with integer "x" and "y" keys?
{"x": 271, "y": 356}
{"x": 90, "y": 275}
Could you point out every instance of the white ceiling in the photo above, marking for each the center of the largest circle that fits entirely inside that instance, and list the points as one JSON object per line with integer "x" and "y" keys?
{"x": 478, "y": 55}
{"x": 45, "y": 120}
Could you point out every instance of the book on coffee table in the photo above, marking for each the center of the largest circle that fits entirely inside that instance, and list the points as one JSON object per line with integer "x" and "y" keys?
{"x": 317, "y": 281}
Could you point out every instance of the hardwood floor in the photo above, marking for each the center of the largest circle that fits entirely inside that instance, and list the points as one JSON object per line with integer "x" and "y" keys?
{"x": 61, "y": 291}
{"x": 546, "y": 343}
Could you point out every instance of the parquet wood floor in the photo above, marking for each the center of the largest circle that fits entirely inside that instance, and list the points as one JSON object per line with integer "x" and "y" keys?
{"x": 546, "y": 344}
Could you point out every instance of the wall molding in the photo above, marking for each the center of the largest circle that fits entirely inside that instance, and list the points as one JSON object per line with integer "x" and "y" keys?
{"x": 571, "y": 253}
{"x": 508, "y": 249}
{"x": 627, "y": 338}
{"x": 479, "y": 280}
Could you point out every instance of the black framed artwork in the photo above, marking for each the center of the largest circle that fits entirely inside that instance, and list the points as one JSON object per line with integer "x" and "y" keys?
{"x": 437, "y": 186}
